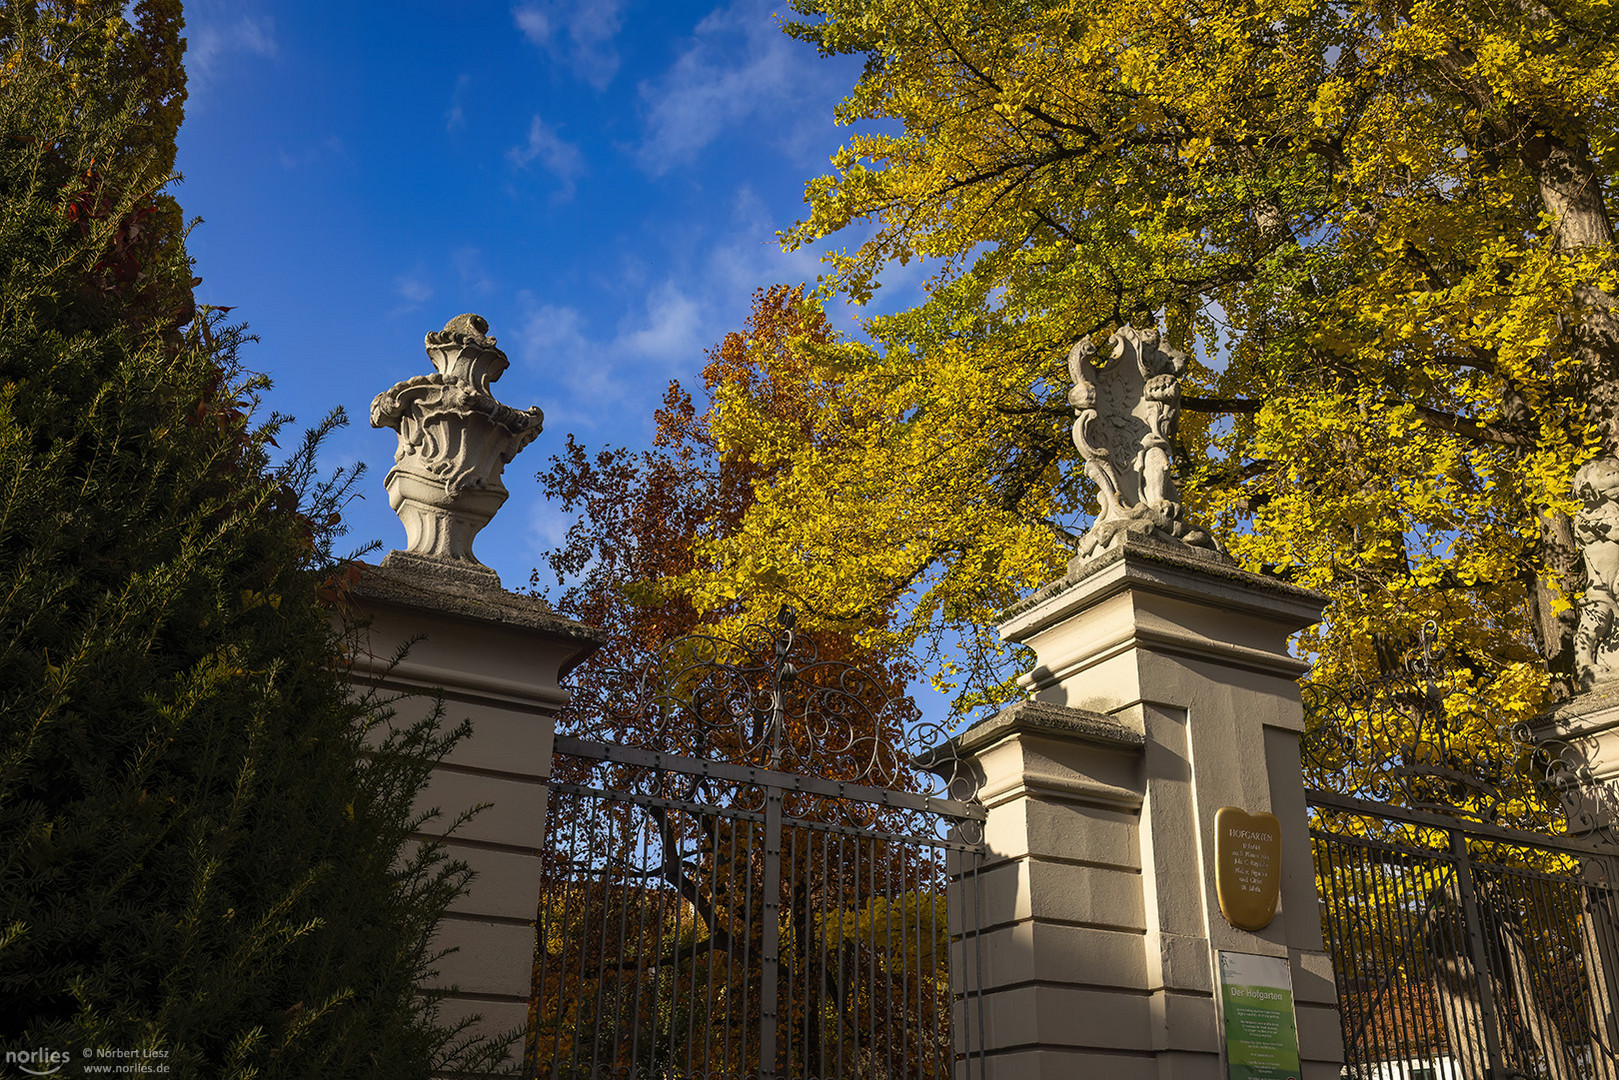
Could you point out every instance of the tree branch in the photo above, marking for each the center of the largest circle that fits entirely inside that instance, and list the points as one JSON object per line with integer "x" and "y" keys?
{"x": 1200, "y": 403}
{"x": 1479, "y": 431}
{"x": 1476, "y": 430}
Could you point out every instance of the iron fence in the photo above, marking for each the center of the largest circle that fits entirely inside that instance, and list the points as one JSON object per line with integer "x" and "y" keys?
{"x": 1465, "y": 951}
{"x": 1472, "y": 937}
{"x": 809, "y": 937}
{"x": 775, "y": 880}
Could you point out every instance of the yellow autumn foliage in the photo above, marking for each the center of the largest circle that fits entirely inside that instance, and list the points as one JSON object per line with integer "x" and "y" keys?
{"x": 1383, "y": 228}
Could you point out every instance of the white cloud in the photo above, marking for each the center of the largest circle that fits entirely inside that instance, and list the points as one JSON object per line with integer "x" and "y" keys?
{"x": 608, "y": 372}
{"x": 666, "y": 332}
{"x": 331, "y": 146}
{"x": 671, "y": 330}
{"x": 549, "y": 331}
{"x": 534, "y": 23}
{"x": 547, "y": 531}
{"x": 455, "y": 115}
{"x": 212, "y": 42}
{"x": 414, "y": 290}
{"x": 578, "y": 33}
{"x": 561, "y": 159}
{"x": 471, "y": 266}
{"x": 738, "y": 66}
{"x": 626, "y": 372}
{"x": 751, "y": 256}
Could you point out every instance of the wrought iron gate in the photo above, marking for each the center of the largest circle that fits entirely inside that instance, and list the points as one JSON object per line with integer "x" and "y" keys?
{"x": 1463, "y": 949}
{"x": 759, "y": 887}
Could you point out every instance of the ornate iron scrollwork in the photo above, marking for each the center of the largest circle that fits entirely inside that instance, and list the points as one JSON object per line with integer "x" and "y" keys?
{"x": 767, "y": 700}
{"x": 1590, "y": 806}
{"x": 1422, "y": 738}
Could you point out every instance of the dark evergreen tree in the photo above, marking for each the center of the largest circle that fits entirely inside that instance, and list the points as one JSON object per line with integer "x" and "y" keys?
{"x": 200, "y": 854}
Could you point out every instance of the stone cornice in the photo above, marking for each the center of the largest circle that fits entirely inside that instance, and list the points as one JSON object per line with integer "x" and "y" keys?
{"x": 1167, "y": 569}
{"x": 428, "y": 589}
{"x": 1596, "y": 709}
{"x": 1043, "y": 718}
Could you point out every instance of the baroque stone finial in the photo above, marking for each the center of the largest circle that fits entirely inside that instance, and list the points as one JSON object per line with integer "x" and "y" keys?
{"x": 1126, "y": 408}
{"x": 1596, "y": 530}
{"x": 455, "y": 439}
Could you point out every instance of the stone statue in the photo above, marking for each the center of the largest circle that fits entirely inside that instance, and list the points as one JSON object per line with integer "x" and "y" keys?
{"x": 1126, "y": 408}
{"x": 455, "y": 439}
{"x": 1596, "y": 529}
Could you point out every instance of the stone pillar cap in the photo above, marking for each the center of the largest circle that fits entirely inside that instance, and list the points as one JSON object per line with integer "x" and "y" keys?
{"x": 1197, "y": 574}
{"x": 1037, "y": 717}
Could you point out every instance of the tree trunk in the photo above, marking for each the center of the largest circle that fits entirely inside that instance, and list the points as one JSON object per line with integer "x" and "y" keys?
{"x": 1537, "y": 1044}
{"x": 1570, "y": 189}
{"x": 1560, "y": 578}
{"x": 1459, "y": 1005}
{"x": 1571, "y": 192}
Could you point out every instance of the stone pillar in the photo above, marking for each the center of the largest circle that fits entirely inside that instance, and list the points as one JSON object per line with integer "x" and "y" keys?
{"x": 497, "y": 659}
{"x": 1163, "y": 690}
{"x": 1582, "y": 738}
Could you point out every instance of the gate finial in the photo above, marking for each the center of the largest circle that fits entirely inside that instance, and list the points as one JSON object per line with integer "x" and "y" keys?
{"x": 1126, "y": 409}
{"x": 455, "y": 439}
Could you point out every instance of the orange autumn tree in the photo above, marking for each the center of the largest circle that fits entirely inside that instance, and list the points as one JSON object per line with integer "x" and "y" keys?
{"x": 640, "y": 519}
{"x": 642, "y": 516}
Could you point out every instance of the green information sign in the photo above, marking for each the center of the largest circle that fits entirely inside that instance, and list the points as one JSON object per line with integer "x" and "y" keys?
{"x": 1256, "y": 1008}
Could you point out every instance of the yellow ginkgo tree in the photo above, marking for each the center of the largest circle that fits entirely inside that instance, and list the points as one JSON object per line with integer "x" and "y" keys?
{"x": 1382, "y": 228}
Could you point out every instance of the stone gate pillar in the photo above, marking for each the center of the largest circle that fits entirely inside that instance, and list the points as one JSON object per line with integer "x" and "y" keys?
{"x": 435, "y": 624}
{"x": 497, "y": 660}
{"x": 1163, "y": 691}
{"x": 1581, "y": 739}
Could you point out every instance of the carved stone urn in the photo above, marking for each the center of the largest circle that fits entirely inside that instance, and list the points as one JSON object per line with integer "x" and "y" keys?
{"x": 455, "y": 440}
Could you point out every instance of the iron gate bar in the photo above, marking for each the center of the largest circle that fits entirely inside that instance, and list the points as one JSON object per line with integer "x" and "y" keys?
{"x": 814, "y": 785}
{"x": 837, "y": 996}
{"x": 788, "y": 921}
{"x": 770, "y": 947}
{"x": 1475, "y": 944}
{"x": 653, "y": 800}
{"x": 1481, "y": 982}
{"x": 1571, "y": 844}
{"x": 1469, "y": 929}
{"x": 729, "y": 814}
{"x": 877, "y": 834}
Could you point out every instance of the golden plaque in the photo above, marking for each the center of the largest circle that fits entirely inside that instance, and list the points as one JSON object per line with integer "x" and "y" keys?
{"x": 1247, "y": 866}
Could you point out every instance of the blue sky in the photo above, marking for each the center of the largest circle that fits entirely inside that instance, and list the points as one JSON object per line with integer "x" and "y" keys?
{"x": 601, "y": 179}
